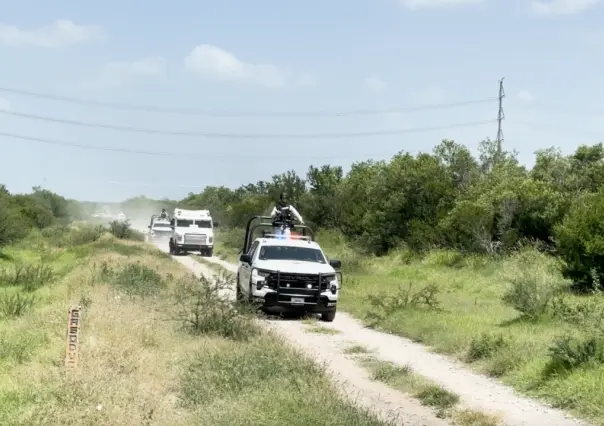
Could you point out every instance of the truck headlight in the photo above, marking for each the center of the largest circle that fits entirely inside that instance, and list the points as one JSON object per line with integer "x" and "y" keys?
{"x": 332, "y": 283}
{"x": 260, "y": 274}
{"x": 179, "y": 237}
{"x": 211, "y": 240}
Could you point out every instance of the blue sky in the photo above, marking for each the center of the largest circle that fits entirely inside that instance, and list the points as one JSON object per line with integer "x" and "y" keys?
{"x": 285, "y": 57}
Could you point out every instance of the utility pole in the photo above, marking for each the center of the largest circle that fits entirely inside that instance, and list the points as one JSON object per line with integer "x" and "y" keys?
{"x": 500, "y": 118}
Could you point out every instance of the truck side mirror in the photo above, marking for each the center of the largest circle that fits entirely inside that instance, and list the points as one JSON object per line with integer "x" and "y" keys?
{"x": 335, "y": 264}
{"x": 245, "y": 258}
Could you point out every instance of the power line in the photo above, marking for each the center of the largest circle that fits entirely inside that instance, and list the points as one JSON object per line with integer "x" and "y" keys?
{"x": 144, "y": 152}
{"x": 240, "y": 135}
{"x": 174, "y": 154}
{"x": 210, "y": 113}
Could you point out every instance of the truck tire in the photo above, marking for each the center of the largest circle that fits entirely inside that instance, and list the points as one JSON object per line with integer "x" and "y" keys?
{"x": 210, "y": 252}
{"x": 328, "y": 316}
{"x": 239, "y": 293}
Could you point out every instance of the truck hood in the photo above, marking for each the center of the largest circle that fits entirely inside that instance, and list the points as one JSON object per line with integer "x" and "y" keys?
{"x": 294, "y": 267}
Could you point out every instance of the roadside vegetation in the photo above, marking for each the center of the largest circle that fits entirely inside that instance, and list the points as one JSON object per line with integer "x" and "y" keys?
{"x": 478, "y": 257}
{"x": 157, "y": 345}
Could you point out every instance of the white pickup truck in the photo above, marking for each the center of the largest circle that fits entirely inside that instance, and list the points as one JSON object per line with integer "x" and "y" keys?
{"x": 288, "y": 274}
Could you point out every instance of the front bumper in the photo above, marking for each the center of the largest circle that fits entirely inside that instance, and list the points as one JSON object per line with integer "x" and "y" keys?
{"x": 286, "y": 295}
{"x": 194, "y": 247}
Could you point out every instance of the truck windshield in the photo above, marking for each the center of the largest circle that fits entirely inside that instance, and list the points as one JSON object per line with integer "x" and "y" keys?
{"x": 302, "y": 254}
{"x": 161, "y": 225}
{"x": 184, "y": 223}
{"x": 204, "y": 223}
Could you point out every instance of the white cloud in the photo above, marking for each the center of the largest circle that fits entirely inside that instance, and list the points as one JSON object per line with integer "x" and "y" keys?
{"x": 525, "y": 96}
{"x": 61, "y": 33}
{"x": 432, "y": 4}
{"x": 375, "y": 83}
{"x": 115, "y": 74}
{"x": 4, "y": 104}
{"x": 430, "y": 96}
{"x": 209, "y": 61}
{"x": 562, "y": 7}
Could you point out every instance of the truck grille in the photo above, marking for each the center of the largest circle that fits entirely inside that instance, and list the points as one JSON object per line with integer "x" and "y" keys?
{"x": 297, "y": 281}
{"x": 195, "y": 239}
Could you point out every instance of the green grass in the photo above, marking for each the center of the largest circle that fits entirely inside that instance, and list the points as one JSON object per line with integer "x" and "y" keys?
{"x": 356, "y": 350}
{"x": 157, "y": 346}
{"x": 455, "y": 305}
{"x": 444, "y": 402}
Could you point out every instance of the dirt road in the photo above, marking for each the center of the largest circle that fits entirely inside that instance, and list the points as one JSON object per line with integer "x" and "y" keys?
{"x": 476, "y": 392}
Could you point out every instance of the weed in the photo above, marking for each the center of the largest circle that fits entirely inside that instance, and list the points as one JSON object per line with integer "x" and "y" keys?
{"x": 30, "y": 276}
{"x": 15, "y": 304}
{"x": 436, "y": 396}
{"x": 202, "y": 308}
{"x": 123, "y": 231}
{"x": 322, "y": 330}
{"x": 356, "y": 349}
{"x": 531, "y": 288}
{"x": 136, "y": 279}
{"x": 469, "y": 417}
{"x": 384, "y": 305}
{"x": 18, "y": 348}
{"x": 485, "y": 346}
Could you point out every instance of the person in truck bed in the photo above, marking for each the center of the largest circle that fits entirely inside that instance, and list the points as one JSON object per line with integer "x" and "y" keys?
{"x": 283, "y": 214}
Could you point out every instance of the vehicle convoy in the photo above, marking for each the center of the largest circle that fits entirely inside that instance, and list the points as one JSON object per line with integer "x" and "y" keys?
{"x": 287, "y": 273}
{"x": 191, "y": 230}
{"x": 159, "y": 228}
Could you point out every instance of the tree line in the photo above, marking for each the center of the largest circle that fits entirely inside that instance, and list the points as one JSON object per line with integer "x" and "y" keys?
{"x": 40, "y": 209}
{"x": 447, "y": 199}
{"x": 489, "y": 204}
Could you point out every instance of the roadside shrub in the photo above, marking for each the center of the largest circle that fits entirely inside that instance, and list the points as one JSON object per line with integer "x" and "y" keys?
{"x": 406, "y": 297}
{"x": 570, "y": 352}
{"x": 123, "y": 230}
{"x": 202, "y": 308}
{"x": 136, "y": 279}
{"x": 64, "y": 236}
{"x": 533, "y": 282}
{"x": 485, "y": 346}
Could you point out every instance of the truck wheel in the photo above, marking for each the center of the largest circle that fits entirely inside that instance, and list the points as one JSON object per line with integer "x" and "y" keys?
{"x": 328, "y": 316}
{"x": 210, "y": 252}
{"x": 239, "y": 293}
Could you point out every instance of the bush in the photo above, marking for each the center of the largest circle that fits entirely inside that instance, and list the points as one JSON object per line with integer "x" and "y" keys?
{"x": 533, "y": 282}
{"x": 571, "y": 352}
{"x": 580, "y": 241}
{"x": 485, "y": 346}
{"x": 124, "y": 231}
{"x": 202, "y": 308}
{"x": 136, "y": 279}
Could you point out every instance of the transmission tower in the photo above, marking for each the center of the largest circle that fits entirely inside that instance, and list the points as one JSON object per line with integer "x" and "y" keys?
{"x": 500, "y": 118}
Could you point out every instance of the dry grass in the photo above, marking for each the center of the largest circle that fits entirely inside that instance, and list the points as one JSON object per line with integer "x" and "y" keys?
{"x": 141, "y": 364}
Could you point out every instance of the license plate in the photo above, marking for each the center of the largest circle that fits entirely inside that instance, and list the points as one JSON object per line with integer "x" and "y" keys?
{"x": 297, "y": 301}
